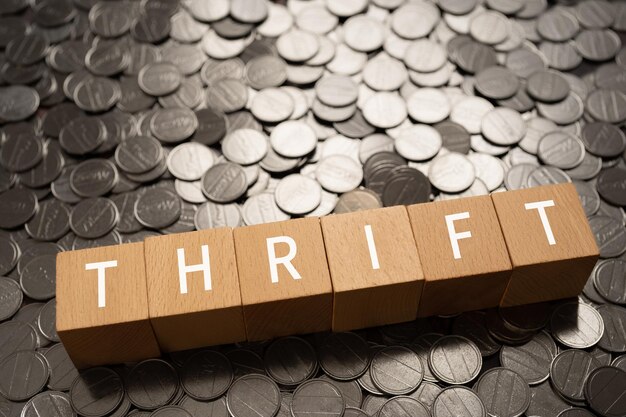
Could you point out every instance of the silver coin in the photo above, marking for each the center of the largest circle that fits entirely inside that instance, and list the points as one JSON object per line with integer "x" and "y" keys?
{"x": 546, "y": 175}
{"x": 610, "y": 235}
{"x": 151, "y": 384}
{"x": 16, "y": 336}
{"x": 496, "y": 380}
{"x": 350, "y": 390}
{"x": 158, "y": 208}
{"x": 49, "y": 400}
{"x": 125, "y": 203}
{"x": 96, "y": 402}
{"x": 245, "y": 362}
{"x": 613, "y": 339}
{"x": 489, "y": 169}
{"x": 206, "y": 375}
{"x": 455, "y": 360}
{"x": 253, "y": 395}
{"x": 97, "y": 94}
{"x": 262, "y": 208}
{"x": 339, "y": 174}
{"x": 290, "y": 361}
{"x": 293, "y": 139}
{"x": 9, "y": 254}
{"x": 418, "y": 142}
{"x": 561, "y": 150}
{"x": 62, "y": 370}
{"x": 245, "y": 146}
{"x": 503, "y": 126}
{"x": 21, "y": 152}
{"x": 138, "y": 154}
{"x": 609, "y": 279}
{"x": 568, "y": 373}
{"x": 211, "y": 215}
{"x": 94, "y": 177}
{"x": 297, "y": 194}
{"x": 12, "y": 296}
{"x": 24, "y": 374}
{"x": 576, "y": 325}
{"x": 319, "y": 397}
{"x": 172, "y": 125}
{"x": 530, "y": 360}
{"x": 344, "y": 356}
{"x": 38, "y": 278}
{"x": 188, "y": 161}
{"x": 18, "y": 102}
{"x": 94, "y": 217}
{"x": 224, "y": 182}
{"x": 50, "y": 222}
{"x": 384, "y": 110}
{"x": 396, "y": 370}
{"x": 452, "y": 172}
{"x": 159, "y": 79}
{"x": 458, "y": 402}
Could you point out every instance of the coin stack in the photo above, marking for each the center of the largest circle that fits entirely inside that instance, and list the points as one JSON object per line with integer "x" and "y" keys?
{"x": 120, "y": 120}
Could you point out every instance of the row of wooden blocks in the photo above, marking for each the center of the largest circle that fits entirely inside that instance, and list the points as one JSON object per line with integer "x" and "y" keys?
{"x": 340, "y": 272}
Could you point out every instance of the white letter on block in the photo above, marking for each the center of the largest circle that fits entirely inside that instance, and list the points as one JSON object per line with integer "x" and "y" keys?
{"x": 183, "y": 269}
{"x": 285, "y": 260}
{"x": 100, "y": 267}
{"x": 540, "y": 206}
{"x": 454, "y": 236}
{"x": 369, "y": 235}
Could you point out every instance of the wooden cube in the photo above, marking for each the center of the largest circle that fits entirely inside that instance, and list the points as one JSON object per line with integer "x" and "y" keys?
{"x": 193, "y": 289}
{"x": 464, "y": 258}
{"x": 284, "y": 278}
{"x": 102, "y": 305}
{"x": 375, "y": 270}
{"x": 551, "y": 246}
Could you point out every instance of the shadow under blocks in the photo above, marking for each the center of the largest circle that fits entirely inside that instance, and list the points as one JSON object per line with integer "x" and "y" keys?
{"x": 341, "y": 272}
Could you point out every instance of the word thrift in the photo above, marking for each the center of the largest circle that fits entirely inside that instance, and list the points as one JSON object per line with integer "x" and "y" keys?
{"x": 341, "y": 272}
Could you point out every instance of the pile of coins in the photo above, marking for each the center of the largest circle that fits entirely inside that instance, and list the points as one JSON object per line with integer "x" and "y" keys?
{"x": 126, "y": 119}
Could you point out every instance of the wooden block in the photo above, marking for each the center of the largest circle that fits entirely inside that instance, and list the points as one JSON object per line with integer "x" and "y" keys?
{"x": 102, "y": 305}
{"x": 376, "y": 274}
{"x": 551, "y": 246}
{"x": 284, "y": 278}
{"x": 202, "y": 305}
{"x": 464, "y": 258}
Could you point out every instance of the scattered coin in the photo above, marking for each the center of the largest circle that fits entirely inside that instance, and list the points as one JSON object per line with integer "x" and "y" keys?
{"x": 455, "y": 360}
{"x": 396, "y": 370}
{"x": 496, "y": 380}
{"x": 205, "y": 115}
{"x": 577, "y": 325}
{"x": 603, "y": 391}
{"x": 96, "y": 402}
{"x": 253, "y": 395}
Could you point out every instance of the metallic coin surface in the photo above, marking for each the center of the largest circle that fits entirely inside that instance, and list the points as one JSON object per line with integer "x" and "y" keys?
{"x": 458, "y": 401}
{"x": 576, "y": 325}
{"x": 25, "y": 373}
{"x": 206, "y": 375}
{"x": 517, "y": 398}
{"x": 454, "y": 360}
{"x": 396, "y": 370}
{"x": 253, "y": 395}
{"x": 317, "y": 396}
{"x": 569, "y": 370}
{"x": 96, "y": 392}
{"x": 124, "y": 120}
{"x": 152, "y": 384}
{"x": 290, "y": 361}
{"x": 604, "y": 391}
